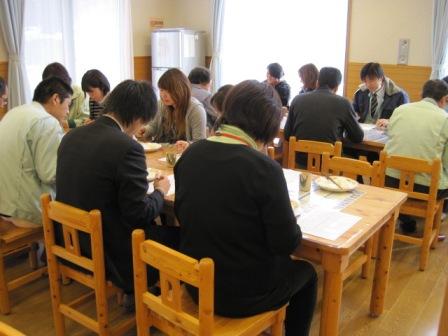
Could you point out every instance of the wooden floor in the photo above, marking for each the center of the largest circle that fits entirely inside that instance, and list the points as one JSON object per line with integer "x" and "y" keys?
{"x": 413, "y": 301}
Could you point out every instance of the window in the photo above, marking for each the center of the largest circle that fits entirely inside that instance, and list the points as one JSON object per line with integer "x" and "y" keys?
{"x": 81, "y": 34}
{"x": 289, "y": 32}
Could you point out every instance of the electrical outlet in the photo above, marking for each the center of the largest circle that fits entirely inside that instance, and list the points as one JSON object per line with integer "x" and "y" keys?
{"x": 403, "y": 51}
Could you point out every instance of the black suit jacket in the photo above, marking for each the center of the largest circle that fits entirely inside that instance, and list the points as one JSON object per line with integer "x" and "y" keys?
{"x": 100, "y": 167}
{"x": 323, "y": 116}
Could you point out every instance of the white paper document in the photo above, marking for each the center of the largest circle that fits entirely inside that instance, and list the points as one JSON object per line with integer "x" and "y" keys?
{"x": 367, "y": 127}
{"x": 326, "y": 223}
{"x": 172, "y": 186}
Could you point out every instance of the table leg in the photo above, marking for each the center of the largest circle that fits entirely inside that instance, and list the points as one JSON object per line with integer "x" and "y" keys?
{"x": 381, "y": 278}
{"x": 332, "y": 293}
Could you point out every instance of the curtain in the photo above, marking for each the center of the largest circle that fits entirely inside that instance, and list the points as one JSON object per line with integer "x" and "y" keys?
{"x": 440, "y": 40}
{"x": 46, "y": 41}
{"x": 82, "y": 35}
{"x": 217, "y": 25}
{"x": 11, "y": 24}
{"x": 127, "y": 48}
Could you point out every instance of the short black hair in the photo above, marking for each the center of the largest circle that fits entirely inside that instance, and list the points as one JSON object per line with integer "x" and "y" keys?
{"x": 255, "y": 108}
{"x": 372, "y": 70}
{"x": 276, "y": 70}
{"x": 445, "y": 79}
{"x": 2, "y": 86}
{"x": 218, "y": 98}
{"x": 330, "y": 77}
{"x": 57, "y": 70}
{"x": 199, "y": 75}
{"x": 95, "y": 79}
{"x": 435, "y": 89}
{"x": 132, "y": 100}
{"x": 50, "y": 86}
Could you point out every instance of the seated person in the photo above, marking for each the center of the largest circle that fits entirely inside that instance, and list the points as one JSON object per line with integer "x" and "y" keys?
{"x": 217, "y": 102}
{"x": 180, "y": 117}
{"x": 241, "y": 216}
{"x": 322, "y": 115}
{"x": 78, "y": 112}
{"x": 273, "y": 77}
{"x": 308, "y": 74}
{"x": 378, "y": 96}
{"x": 420, "y": 130}
{"x": 96, "y": 85}
{"x": 100, "y": 166}
{"x": 201, "y": 82}
{"x": 3, "y": 93}
{"x": 29, "y": 139}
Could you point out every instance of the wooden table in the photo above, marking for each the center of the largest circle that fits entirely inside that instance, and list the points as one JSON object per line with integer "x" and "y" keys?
{"x": 379, "y": 210}
{"x": 152, "y": 161}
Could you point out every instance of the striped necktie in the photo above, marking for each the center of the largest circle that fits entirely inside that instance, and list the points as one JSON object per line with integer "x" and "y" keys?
{"x": 373, "y": 104}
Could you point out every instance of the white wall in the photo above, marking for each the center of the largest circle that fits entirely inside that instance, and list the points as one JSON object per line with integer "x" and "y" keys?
{"x": 142, "y": 12}
{"x": 193, "y": 14}
{"x": 377, "y": 25}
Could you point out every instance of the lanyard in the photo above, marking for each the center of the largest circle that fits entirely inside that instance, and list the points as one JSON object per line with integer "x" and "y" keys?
{"x": 232, "y": 136}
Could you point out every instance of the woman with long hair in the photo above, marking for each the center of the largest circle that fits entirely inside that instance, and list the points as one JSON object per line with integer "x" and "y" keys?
{"x": 308, "y": 74}
{"x": 180, "y": 117}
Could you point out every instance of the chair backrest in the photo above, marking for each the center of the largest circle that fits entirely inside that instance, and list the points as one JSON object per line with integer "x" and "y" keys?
{"x": 6, "y": 330}
{"x": 73, "y": 220}
{"x": 408, "y": 168}
{"x": 314, "y": 149}
{"x": 271, "y": 152}
{"x": 350, "y": 168}
{"x": 174, "y": 268}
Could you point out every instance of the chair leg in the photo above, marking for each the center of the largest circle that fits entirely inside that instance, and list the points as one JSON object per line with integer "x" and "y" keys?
{"x": 32, "y": 256}
{"x": 368, "y": 249}
{"x": 5, "y": 306}
{"x": 436, "y": 225}
{"x": 375, "y": 245}
{"x": 426, "y": 243}
{"x": 102, "y": 311}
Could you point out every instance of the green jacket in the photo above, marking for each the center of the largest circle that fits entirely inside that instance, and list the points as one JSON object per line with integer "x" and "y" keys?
{"x": 79, "y": 110}
{"x": 420, "y": 130}
{"x": 29, "y": 140}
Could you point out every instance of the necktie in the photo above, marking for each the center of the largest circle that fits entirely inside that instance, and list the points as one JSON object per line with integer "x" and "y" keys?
{"x": 373, "y": 104}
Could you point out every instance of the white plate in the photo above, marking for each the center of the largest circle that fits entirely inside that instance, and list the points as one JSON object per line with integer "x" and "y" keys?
{"x": 345, "y": 183}
{"x": 150, "y": 146}
{"x": 296, "y": 208}
{"x": 152, "y": 174}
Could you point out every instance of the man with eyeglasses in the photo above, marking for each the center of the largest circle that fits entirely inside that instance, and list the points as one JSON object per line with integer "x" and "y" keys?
{"x": 378, "y": 96}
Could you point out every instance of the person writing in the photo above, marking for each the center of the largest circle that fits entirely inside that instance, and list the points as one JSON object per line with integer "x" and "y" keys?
{"x": 241, "y": 216}
{"x": 100, "y": 166}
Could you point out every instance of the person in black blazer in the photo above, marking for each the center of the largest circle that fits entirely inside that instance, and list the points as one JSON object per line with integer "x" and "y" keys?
{"x": 100, "y": 166}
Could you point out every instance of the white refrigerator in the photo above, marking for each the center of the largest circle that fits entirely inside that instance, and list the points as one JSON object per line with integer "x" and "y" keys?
{"x": 176, "y": 48}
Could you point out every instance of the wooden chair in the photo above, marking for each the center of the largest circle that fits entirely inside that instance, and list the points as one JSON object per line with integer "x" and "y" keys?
{"x": 353, "y": 168}
{"x": 314, "y": 149}
{"x": 423, "y": 205}
{"x": 73, "y": 220}
{"x": 174, "y": 312}
{"x": 12, "y": 241}
{"x": 271, "y": 152}
{"x": 6, "y": 330}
